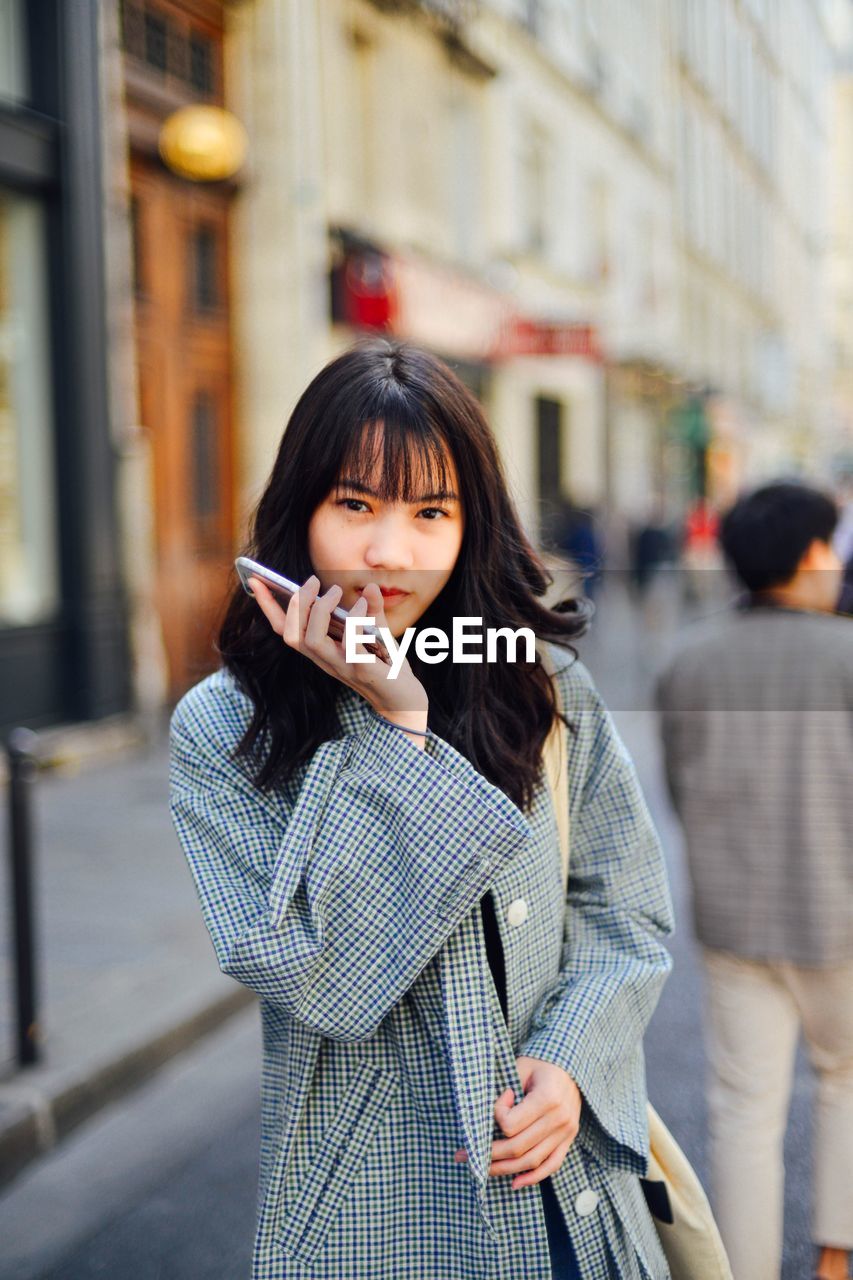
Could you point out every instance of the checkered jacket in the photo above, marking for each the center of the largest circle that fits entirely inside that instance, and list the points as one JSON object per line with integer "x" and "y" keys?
{"x": 348, "y": 899}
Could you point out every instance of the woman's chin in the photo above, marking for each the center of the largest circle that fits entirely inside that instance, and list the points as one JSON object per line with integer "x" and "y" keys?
{"x": 397, "y": 626}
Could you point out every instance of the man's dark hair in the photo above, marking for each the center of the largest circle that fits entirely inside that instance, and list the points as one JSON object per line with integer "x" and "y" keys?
{"x": 767, "y": 532}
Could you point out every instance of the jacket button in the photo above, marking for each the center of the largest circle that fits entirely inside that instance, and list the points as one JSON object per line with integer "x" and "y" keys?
{"x": 586, "y": 1203}
{"x": 516, "y": 912}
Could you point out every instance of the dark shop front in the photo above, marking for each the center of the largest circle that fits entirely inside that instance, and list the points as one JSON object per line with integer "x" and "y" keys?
{"x": 63, "y": 641}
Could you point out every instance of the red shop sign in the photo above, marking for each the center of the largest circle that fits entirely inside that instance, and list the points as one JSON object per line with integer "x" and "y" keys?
{"x": 524, "y": 337}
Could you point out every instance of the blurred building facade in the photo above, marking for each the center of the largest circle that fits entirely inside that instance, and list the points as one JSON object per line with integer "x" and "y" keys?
{"x": 407, "y": 198}
{"x": 841, "y": 247}
{"x": 752, "y": 85}
{"x": 610, "y": 216}
{"x": 451, "y": 176}
{"x": 170, "y": 55}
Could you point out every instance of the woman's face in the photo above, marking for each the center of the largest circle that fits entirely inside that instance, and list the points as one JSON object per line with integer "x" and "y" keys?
{"x": 407, "y": 548}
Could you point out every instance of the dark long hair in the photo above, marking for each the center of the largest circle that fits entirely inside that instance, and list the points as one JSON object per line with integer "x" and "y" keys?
{"x": 497, "y": 714}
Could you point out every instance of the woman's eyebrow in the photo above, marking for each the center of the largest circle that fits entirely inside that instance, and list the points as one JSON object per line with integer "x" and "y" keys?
{"x": 441, "y": 495}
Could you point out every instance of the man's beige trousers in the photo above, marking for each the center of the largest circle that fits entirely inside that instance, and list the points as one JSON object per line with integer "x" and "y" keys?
{"x": 755, "y": 1012}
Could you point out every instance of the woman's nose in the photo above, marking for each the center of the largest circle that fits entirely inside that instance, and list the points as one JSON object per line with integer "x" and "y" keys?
{"x": 388, "y": 547}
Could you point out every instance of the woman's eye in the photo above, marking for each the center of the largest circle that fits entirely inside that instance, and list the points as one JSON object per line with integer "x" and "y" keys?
{"x": 432, "y": 512}
{"x": 352, "y": 504}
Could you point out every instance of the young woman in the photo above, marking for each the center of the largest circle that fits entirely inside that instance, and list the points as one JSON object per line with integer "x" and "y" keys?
{"x": 453, "y": 1077}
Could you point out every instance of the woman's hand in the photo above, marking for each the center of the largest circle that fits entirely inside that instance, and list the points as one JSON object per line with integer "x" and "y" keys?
{"x": 304, "y": 626}
{"x": 541, "y": 1128}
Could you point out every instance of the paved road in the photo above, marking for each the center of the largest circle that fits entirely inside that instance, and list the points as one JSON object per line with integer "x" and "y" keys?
{"x": 162, "y": 1186}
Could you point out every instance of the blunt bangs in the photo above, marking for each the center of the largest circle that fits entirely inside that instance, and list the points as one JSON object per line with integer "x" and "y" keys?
{"x": 400, "y": 457}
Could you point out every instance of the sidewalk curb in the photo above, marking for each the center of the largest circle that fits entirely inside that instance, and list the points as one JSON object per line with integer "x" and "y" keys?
{"x": 34, "y": 1119}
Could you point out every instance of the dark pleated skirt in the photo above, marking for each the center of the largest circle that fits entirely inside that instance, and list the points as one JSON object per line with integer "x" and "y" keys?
{"x": 564, "y": 1264}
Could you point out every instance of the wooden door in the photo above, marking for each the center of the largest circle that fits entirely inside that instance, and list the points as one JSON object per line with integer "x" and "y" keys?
{"x": 184, "y": 360}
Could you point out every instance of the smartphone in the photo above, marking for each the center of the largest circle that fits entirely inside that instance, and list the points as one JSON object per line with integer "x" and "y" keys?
{"x": 284, "y": 589}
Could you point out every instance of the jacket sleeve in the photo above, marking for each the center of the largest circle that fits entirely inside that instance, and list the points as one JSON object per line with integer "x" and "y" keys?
{"x": 614, "y": 963}
{"x": 330, "y": 904}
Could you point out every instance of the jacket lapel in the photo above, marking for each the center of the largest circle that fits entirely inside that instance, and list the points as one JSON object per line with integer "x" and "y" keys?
{"x": 466, "y": 1014}
{"x": 470, "y": 1038}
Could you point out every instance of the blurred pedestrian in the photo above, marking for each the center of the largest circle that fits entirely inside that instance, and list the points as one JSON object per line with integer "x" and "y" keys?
{"x": 845, "y": 601}
{"x": 651, "y": 548}
{"x": 843, "y": 539}
{"x": 843, "y": 543}
{"x": 579, "y": 538}
{"x": 700, "y": 552}
{"x": 757, "y": 724}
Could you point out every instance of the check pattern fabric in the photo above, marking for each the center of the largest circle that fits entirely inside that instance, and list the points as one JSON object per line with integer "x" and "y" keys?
{"x": 756, "y": 709}
{"x": 348, "y": 900}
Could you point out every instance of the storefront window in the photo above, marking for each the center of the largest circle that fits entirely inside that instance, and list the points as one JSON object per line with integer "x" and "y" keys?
{"x": 14, "y": 80}
{"x": 28, "y": 568}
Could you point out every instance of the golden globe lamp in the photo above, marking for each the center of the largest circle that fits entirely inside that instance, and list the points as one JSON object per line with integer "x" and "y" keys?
{"x": 203, "y": 143}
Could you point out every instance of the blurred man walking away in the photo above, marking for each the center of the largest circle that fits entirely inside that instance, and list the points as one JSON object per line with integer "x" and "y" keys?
{"x": 757, "y": 723}
{"x": 843, "y": 542}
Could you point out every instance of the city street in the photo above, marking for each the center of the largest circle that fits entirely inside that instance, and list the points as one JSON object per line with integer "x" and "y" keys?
{"x": 257, "y": 261}
{"x": 163, "y": 1183}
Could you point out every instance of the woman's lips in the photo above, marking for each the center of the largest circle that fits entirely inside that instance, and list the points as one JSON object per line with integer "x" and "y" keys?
{"x": 391, "y": 595}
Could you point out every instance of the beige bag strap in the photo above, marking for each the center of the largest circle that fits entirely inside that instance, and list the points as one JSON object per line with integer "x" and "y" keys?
{"x": 556, "y": 757}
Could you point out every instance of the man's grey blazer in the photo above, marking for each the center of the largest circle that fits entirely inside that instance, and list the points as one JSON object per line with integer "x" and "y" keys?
{"x": 757, "y": 726}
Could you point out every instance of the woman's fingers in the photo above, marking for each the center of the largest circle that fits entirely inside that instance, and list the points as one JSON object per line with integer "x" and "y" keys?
{"x": 506, "y": 1100}
{"x": 372, "y": 594}
{"x": 510, "y": 1148}
{"x": 304, "y": 624}
{"x": 268, "y": 605}
{"x": 548, "y": 1166}
{"x": 375, "y": 605}
{"x": 294, "y": 624}
{"x": 369, "y": 604}
{"x": 538, "y": 1149}
{"x": 359, "y": 610}
{"x": 515, "y": 1116}
{"x": 298, "y": 612}
{"x": 317, "y": 636}
{"x": 535, "y": 1156}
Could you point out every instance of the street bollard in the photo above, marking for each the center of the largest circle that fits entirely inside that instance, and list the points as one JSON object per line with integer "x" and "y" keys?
{"x": 22, "y": 749}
